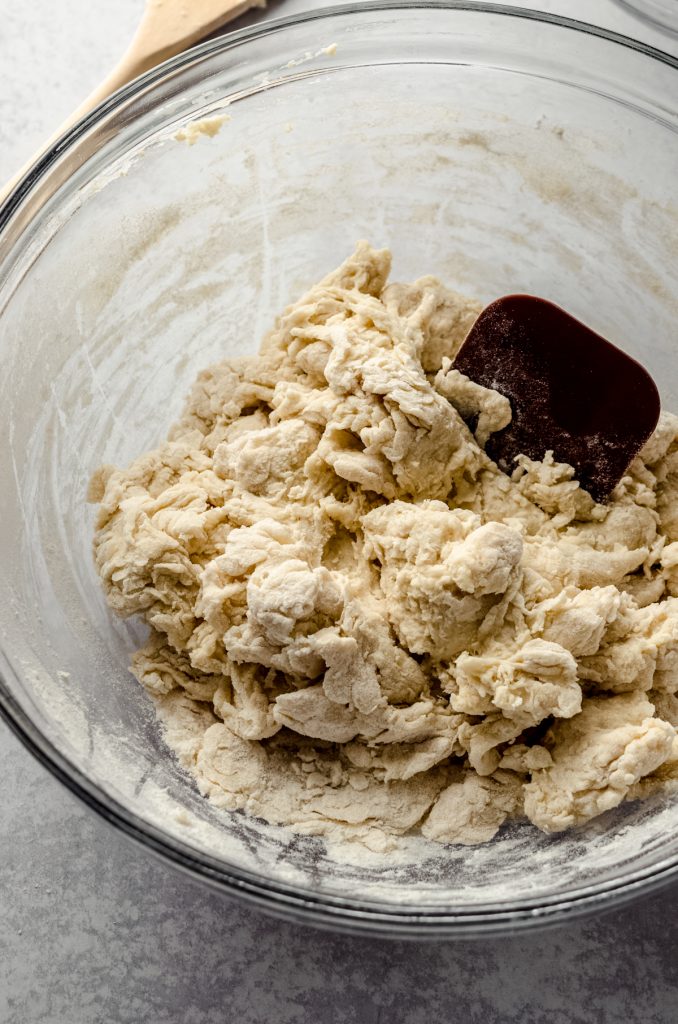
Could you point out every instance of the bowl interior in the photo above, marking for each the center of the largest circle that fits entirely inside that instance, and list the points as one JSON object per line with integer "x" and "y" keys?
{"x": 497, "y": 152}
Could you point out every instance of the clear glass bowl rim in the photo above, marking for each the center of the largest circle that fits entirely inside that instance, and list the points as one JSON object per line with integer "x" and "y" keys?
{"x": 651, "y": 14}
{"x": 290, "y": 901}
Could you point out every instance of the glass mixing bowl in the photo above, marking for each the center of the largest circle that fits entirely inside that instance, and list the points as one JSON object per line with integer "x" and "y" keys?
{"x": 662, "y": 14}
{"x": 500, "y": 149}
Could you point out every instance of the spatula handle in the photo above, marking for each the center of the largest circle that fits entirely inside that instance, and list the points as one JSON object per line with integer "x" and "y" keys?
{"x": 118, "y": 77}
{"x": 143, "y": 53}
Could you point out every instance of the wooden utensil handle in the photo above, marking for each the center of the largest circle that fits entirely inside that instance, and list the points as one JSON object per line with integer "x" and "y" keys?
{"x": 115, "y": 80}
{"x": 163, "y": 33}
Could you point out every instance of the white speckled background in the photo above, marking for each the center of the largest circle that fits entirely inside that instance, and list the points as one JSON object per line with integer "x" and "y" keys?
{"x": 94, "y": 931}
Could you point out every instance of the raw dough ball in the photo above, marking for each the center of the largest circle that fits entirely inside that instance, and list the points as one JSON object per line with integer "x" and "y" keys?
{"x": 359, "y": 626}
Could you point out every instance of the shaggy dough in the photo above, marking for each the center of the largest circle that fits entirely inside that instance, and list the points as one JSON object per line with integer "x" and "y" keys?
{"x": 359, "y": 626}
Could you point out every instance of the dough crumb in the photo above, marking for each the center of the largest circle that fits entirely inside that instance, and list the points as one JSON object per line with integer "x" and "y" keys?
{"x": 208, "y": 126}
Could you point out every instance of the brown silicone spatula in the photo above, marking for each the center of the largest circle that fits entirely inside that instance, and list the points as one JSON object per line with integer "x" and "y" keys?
{"x": 166, "y": 28}
{"x": 571, "y": 391}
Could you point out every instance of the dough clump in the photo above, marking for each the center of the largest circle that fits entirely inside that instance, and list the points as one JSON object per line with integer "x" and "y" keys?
{"x": 359, "y": 626}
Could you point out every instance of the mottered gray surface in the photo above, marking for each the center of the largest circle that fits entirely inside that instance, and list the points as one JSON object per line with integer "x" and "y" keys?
{"x": 93, "y": 930}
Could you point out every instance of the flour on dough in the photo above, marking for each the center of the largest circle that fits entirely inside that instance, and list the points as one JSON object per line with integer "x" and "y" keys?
{"x": 359, "y": 626}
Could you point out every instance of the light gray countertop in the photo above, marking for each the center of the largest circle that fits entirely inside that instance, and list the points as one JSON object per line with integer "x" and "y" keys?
{"x": 95, "y": 931}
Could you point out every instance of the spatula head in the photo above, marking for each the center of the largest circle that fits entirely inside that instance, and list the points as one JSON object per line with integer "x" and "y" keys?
{"x": 571, "y": 391}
